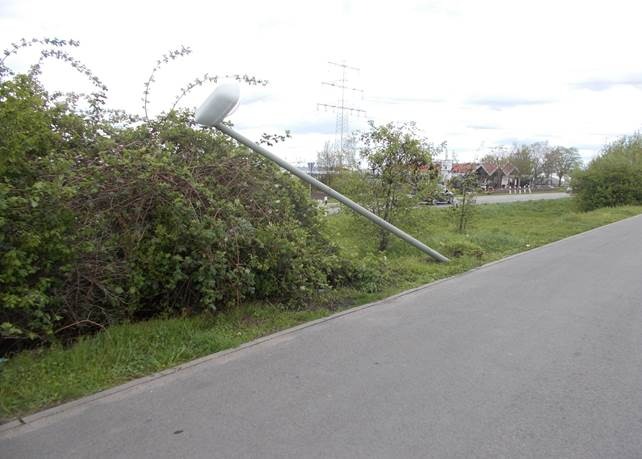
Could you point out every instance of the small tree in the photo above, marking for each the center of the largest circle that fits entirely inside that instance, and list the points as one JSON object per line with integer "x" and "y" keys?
{"x": 327, "y": 161}
{"x": 548, "y": 165}
{"x": 349, "y": 152}
{"x": 334, "y": 160}
{"x": 395, "y": 156}
{"x": 463, "y": 211}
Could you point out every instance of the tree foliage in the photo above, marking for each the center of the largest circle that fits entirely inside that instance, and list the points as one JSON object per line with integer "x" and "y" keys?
{"x": 523, "y": 158}
{"x": 498, "y": 156}
{"x": 333, "y": 161}
{"x": 563, "y": 161}
{"x": 397, "y": 172}
{"x": 613, "y": 178}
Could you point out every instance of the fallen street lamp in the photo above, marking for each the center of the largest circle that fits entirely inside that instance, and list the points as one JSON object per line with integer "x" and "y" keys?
{"x": 225, "y": 98}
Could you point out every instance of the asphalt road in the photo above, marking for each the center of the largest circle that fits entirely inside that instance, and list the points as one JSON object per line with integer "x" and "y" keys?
{"x": 335, "y": 208}
{"x": 501, "y": 198}
{"x": 539, "y": 355}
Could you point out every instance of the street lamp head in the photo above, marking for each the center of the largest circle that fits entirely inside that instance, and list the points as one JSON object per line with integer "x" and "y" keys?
{"x": 218, "y": 105}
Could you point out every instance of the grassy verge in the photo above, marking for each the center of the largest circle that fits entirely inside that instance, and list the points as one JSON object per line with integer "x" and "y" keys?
{"x": 34, "y": 380}
{"x": 498, "y": 230}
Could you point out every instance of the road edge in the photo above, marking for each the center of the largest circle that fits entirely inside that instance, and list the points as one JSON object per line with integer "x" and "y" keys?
{"x": 90, "y": 399}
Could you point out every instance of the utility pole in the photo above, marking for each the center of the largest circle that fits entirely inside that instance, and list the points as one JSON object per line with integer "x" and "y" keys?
{"x": 343, "y": 111}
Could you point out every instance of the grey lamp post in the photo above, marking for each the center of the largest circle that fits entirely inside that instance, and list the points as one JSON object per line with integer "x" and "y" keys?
{"x": 225, "y": 98}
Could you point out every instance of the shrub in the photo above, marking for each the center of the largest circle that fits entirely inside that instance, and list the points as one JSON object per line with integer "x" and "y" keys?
{"x": 105, "y": 221}
{"x": 463, "y": 211}
{"x": 373, "y": 273}
{"x": 614, "y": 178}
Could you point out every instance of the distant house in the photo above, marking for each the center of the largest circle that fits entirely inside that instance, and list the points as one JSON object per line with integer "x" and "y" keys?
{"x": 433, "y": 169}
{"x": 461, "y": 169}
{"x": 511, "y": 175}
{"x": 490, "y": 176}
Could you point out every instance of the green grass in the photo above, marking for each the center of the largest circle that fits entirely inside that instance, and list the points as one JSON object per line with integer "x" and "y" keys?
{"x": 37, "y": 379}
{"x": 497, "y": 231}
{"x": 500, "y": 229}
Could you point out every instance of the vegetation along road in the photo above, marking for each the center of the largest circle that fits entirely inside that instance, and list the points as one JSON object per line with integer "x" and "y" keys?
{"x": 538, "y": 355}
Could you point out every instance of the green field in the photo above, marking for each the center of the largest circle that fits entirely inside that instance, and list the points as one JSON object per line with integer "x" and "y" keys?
{"x": 497, "y": 231}
{"x": 34, "y": 380}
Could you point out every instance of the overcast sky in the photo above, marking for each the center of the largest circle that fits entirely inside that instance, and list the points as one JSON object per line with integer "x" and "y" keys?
{"x": 476, "y": 74}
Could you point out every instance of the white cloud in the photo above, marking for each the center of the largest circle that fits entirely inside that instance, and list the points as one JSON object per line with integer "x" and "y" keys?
{"x": 545, "y": 70}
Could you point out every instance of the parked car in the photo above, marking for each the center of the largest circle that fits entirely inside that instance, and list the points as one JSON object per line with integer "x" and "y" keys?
{"x": 441, "y": 196}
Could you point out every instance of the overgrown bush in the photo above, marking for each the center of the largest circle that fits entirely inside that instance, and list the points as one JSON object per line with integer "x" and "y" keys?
{"x": 105, "y": 218}
{"x": 612, "y": 179}
{"x": 373, "y": 273}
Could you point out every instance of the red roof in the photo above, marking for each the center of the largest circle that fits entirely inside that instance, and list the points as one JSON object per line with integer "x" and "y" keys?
{"x": 463, "y": 168}
{"x": 489, "y": 168}
{"x": 430, "y": 167}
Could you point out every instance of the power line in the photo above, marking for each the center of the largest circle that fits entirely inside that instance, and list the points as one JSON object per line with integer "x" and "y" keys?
{"x": 342, "y": 110}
